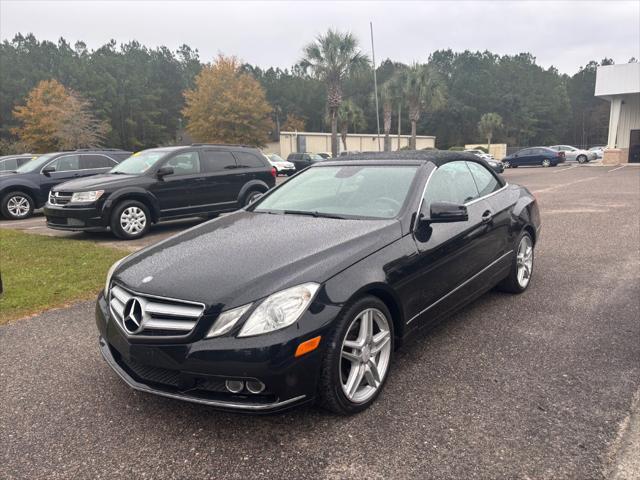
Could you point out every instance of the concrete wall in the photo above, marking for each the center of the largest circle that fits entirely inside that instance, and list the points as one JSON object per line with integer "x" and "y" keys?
{"x": 498, "y": 150}
{"x": 321, "y": 142}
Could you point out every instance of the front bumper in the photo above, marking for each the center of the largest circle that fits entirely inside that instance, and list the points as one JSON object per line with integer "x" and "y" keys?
{"x": 196, "y": 368}
{"x": 74, "y": 218}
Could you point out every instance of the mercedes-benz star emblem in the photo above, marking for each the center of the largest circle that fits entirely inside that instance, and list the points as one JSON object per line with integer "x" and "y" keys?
{"x": 133, "y": 313}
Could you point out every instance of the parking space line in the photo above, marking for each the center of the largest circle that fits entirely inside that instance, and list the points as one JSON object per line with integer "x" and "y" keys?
{"x": 565, "y": 169}
{"x": 614, "y": 169}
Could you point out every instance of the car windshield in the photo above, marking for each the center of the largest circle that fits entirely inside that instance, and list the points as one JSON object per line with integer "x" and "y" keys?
{"x": 139, "y": 162}
{"x": 353, "y": 191}
{"x": 35, "y": 164}
{"x": 275, "y": 158}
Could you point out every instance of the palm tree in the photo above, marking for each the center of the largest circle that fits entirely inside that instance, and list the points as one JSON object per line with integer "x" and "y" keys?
{"x": 331, "y": 58}
{"x": 487, "y": 126}
{"x": 424, "y": 90}
{"x": 391, "y": 93}
{"x": 350, "y": 115}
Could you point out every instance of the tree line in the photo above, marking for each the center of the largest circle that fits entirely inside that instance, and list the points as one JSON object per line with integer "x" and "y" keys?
{"x": 134, "y": 97}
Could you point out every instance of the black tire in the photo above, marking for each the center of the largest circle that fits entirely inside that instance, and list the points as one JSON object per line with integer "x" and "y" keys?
{"x": 582, "y": 159}
{"x": 330, "y": 394}
{"x": 117, "y": 227}
{"x": 546, "y": 163}
{"x": 14, "y": 202}
{"x": 250, "y": 196}
{"x": 511, "y": 284}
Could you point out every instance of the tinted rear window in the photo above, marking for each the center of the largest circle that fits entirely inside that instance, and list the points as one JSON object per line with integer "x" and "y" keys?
{"x": 248, "y": 160}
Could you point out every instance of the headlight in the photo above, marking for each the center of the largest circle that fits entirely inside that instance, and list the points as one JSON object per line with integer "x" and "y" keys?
{"x": 279, "y": 310}
{"x": 86, "y": 196}
{"x": 226, "y": 321}
{"x": 107, "y": 282}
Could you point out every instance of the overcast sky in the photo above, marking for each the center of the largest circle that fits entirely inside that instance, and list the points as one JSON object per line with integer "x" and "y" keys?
{"x": 563, "y": 34}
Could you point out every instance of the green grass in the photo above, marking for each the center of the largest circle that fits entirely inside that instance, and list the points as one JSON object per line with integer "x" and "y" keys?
{"x": 44, "y": 272}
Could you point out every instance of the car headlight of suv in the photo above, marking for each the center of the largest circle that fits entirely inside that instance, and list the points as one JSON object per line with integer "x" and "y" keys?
{"x": 280, "y": 310}
{"x": 84, "y": 197}
{"x": 107, "y": 282}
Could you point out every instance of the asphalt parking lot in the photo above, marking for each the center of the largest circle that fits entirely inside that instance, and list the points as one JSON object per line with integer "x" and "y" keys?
{"x": 539, "y": 385}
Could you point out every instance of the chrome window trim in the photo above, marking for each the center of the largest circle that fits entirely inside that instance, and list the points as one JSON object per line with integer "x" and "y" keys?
{"x": 80, "y": 169}
{"x": 458, "y": 287}
{"x": 106, "y": 354}
{"x": 470, "y": 202}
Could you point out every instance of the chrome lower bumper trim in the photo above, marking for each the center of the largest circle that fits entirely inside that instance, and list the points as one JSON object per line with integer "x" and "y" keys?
{"x": 250, "y": 407}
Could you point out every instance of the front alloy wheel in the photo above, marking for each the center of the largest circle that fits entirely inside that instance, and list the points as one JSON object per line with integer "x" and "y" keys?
{"x": 506, "y": 164}
{"x": 522, "y": 266}
{"x": 358, "y": 357}
{"x": 546, "y": 162}
{"x": 17, "y": 205}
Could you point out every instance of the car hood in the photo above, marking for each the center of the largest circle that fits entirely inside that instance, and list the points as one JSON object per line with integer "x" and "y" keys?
{"x": 96, "y": 182}
{"x": 242, "y": 257}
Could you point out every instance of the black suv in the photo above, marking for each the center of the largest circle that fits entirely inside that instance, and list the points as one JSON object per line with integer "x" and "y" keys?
{"x": 27, "y": 187}
{"x": 160, "y": 184}
{"x": 304, "y": 160}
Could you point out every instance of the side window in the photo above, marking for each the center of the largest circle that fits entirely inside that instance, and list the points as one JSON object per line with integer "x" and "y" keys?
{"x": 95, "y": 161}
{"x": 248, "y": 160}
{"x": 452, "y": 182}
{"x": 218, "y": 161}
{"x": 187, "y": 163}
{"x": 66, "y": 163}
{"x": 525, "y": 152}
{"x": 8, "y": 164}
{"x": 485, "y": 181}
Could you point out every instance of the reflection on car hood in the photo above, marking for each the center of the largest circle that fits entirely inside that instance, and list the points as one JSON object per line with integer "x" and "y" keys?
{"x": 96, "y": 182}
{"x": 245, "y": 256}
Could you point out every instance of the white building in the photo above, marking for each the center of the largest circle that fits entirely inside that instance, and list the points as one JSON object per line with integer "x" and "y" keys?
{"x": 620, "y": 85}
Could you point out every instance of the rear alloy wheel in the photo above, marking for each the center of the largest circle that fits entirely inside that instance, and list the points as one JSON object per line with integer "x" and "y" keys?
{"x": 522, "y": 266}
{"x": 582, "y": 159}
{"x": 546, "y": 162}
{"x": 358, "y": 358}
{"x": 130, "y": 220}
{"x": 17, "y": 206}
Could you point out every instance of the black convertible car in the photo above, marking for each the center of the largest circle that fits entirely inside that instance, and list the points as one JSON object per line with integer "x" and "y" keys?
{"x": 306, "y": 293}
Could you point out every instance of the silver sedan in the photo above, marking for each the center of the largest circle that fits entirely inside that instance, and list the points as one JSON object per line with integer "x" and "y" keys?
{"x": 573, "y": 154}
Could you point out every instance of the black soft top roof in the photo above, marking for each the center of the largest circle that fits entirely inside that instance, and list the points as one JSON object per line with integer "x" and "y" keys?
{"x": 437, "y": 157}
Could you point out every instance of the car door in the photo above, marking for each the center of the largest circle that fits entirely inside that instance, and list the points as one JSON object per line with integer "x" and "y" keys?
{"x": 175, "y": 192}
{"x": 448, "y": 254}
{"x": 222, "y": 181}
{"x": 67, "y": 167}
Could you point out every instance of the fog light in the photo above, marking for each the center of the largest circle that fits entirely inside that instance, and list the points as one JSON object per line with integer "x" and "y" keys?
{"x": 234, "y": 386}
{"x": 255, "y": 386}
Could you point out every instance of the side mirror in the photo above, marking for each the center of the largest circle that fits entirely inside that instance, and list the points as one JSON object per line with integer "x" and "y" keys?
{"x": 163, "y": 172}
{"x": 48, "y": 171}
{"x": 445, "y": 212}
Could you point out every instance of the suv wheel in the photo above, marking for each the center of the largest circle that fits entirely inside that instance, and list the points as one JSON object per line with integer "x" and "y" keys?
{"x": 358, "y": 357}
{"x": 130, "y": 220}
{"x": 17, "y": 205}
{"x": 252, "y": 196}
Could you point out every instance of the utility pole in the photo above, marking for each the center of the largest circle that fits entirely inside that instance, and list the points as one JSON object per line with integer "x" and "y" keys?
{"x": 375, "y": 84}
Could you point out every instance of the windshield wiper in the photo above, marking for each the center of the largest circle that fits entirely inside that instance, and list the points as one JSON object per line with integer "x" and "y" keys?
{"x": 314, "y": 214}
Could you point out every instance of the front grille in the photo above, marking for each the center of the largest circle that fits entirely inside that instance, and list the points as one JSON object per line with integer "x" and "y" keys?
{"x": 159, "y": 316}
{"x": 60, "y": 198}
{"x": 154, "y": 374}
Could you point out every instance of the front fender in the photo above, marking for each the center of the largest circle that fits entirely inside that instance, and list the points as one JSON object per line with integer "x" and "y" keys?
{"x": 136, "y": 193}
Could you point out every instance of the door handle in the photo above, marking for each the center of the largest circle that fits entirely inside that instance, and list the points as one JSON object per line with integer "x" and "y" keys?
{"x": 487, "y": 216}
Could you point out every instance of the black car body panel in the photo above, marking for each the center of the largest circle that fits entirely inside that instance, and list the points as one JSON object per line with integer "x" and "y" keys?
{"x": 172, "y": 196}
{"x": 38, "y": 184}
{"x": 421, "y": 271}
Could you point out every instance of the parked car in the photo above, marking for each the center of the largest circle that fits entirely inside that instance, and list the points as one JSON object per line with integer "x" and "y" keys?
{"x": 304, "y": 160}
{"x": 280, "y": 164}
{"x": 573, "y": 154}
{"x": 598, "y": 150}
{"x": 496, "y": 165}
{"x": 27, "y": 188}
{"x": 10, "y": 163}
{"x": 160, "y": 184}
{"x": 209, "y": 317}
{"x": 547, "y": 157}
